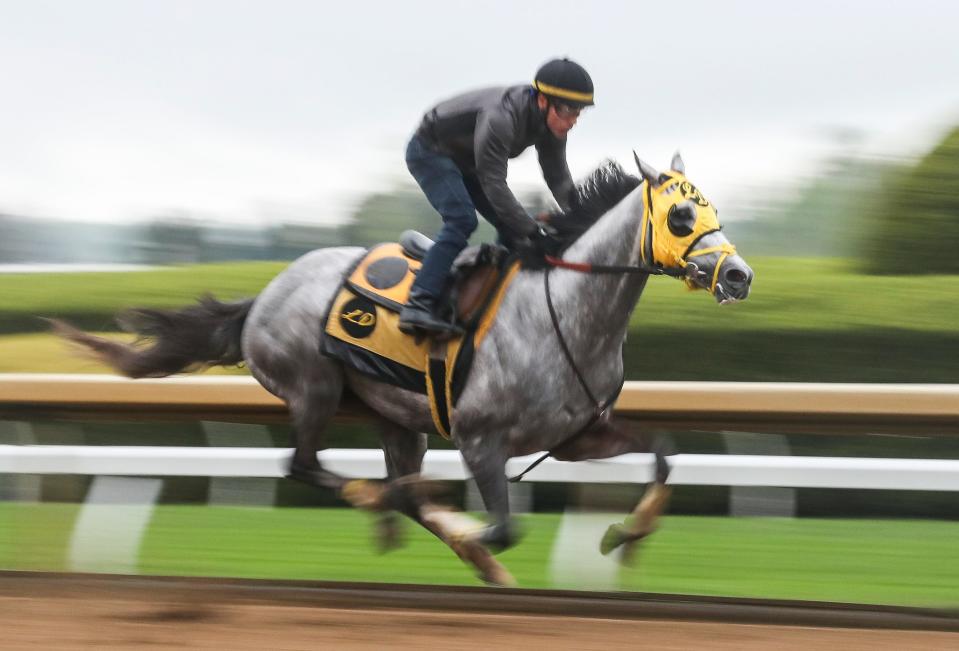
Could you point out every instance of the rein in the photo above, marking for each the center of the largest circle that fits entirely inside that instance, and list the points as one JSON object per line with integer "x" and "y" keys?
{"x": 598, "y": 407}
{"x": 589, "y": 268}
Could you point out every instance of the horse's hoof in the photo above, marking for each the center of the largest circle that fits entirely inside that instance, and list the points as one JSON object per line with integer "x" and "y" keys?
{"x": 363, "y": 494}
{"x": 498, "y": 537}
{"x": 489, "y": 570}
{"x": 617, "y": 535}
{"x": 499, "y": 578}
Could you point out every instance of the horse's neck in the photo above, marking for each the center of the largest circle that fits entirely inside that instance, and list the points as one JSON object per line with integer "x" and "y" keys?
{"x": 604, "y": 302}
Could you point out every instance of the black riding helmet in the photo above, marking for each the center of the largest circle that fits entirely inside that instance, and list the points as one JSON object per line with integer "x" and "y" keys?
{"x": 565, "y": 81}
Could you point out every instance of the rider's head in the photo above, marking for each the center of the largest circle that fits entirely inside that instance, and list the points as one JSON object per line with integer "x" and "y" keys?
{"x": 564, "y": 89}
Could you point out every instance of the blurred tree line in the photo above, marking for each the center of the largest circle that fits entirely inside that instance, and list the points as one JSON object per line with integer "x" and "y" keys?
{"x": 182, "y": 238}
{"x": 916, "y": 216}
{"x": 893, "y": 217}
{"x": 173, "y": 239}
{"x": 383, "y": 216}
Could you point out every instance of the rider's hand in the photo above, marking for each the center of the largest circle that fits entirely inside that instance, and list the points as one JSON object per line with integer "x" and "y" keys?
{"x": 534, "y": 248}
{"x": 545, "y": 242}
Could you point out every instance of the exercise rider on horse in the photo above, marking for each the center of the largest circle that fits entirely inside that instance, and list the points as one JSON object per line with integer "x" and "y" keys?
{"x": 459, "y": 156}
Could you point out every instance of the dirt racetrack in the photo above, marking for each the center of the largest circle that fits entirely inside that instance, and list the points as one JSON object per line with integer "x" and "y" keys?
{"x": 92, "y": 615}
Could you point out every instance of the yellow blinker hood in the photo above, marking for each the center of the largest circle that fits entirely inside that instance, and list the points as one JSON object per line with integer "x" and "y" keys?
{"x": 659, "y": 245}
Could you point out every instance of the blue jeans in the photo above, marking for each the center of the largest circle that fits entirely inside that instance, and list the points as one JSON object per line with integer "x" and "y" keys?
{"x": 456, "y": 199}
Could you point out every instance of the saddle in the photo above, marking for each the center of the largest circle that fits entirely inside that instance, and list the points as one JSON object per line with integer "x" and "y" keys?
{"x": 476, "y": 272}
{"x": 361, "y": 328}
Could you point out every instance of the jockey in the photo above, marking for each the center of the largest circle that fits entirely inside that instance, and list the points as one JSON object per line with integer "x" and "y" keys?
{"x": 459, "y": 156}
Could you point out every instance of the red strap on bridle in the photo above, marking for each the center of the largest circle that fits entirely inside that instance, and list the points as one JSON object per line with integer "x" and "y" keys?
{"x": 588, "y": 268}
{"x": 584, "y": 267}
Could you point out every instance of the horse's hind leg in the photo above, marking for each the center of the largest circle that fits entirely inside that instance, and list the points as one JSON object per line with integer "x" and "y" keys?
{"x": 404, "y": 452}
{"x": 312, "y": 406}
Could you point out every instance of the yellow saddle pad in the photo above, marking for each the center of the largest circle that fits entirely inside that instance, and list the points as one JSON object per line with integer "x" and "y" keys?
{"x": 362, "y": 331}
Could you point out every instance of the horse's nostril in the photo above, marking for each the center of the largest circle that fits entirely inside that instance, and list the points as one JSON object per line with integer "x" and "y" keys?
{"x": 736, "y": 277}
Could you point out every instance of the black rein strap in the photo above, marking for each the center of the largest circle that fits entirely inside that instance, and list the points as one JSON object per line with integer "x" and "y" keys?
{"x": 599, "y": 407}
{"x": 585, "y": 267}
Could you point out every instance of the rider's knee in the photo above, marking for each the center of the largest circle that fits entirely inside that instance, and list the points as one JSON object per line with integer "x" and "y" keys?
{"x": 458, "y": 227}
{"x": 465, "y": 223}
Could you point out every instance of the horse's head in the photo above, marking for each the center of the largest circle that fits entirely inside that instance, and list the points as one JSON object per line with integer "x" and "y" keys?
{"x": 681, "y": 234}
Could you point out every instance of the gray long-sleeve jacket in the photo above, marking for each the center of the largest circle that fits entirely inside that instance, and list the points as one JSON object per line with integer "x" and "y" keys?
{"x": 482, "y": 129}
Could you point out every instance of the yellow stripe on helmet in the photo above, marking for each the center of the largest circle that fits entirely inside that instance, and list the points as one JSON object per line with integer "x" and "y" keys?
{"x": 562, "y": 92}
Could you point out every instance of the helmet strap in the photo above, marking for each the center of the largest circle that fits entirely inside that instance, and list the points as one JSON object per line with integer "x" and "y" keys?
{"x": 549, "y": 102}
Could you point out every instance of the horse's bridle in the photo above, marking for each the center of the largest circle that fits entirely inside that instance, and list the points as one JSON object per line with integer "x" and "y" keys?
{"x": 648, "y": 264}
{"x": 644, "y": 266}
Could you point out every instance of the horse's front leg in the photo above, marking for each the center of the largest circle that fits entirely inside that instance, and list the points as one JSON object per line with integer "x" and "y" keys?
{"x": 638, "y": 524}
{"x": 486, "y": 456}
{"x": 607, "y": 439}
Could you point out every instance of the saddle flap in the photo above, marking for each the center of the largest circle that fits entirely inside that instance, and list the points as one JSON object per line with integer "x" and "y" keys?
{"x": 476, "y": 271}
{"x": 472, "y": 292}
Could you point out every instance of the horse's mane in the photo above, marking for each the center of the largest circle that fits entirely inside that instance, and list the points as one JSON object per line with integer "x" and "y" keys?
{"x": 591, "y": 199}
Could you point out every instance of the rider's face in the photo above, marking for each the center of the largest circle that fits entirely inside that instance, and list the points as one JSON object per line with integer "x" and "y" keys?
{"x": 560, "y": 118}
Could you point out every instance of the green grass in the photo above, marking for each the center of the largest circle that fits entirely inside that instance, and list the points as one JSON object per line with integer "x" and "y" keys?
{"x": 892, "y": 562}
{"x": 908, "y": 562}
{"x": 789, "y": 293}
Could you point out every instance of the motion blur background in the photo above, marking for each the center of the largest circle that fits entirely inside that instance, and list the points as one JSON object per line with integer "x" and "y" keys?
{"x": 153, "y": 151}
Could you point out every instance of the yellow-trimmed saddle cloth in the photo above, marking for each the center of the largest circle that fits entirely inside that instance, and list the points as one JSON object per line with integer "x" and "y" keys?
{"x": 361, "y": 328}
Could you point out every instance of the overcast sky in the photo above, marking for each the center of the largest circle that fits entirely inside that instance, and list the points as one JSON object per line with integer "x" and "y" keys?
{"x": 278, "y": 110}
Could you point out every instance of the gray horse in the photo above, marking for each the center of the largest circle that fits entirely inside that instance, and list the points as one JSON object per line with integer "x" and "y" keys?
{"x": 543, "y": 378}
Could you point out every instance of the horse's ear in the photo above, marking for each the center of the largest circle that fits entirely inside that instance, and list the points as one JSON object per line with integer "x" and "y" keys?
{"x": 648, "y": 171}
{"x": 677, "y": 164}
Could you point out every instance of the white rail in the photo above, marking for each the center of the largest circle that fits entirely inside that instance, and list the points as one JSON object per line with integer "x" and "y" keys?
{"x": 715, "y": 404}
{"x": 688, "y": 469}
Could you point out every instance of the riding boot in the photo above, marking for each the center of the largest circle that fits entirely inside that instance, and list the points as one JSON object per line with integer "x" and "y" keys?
{"x": 421, "y": 313}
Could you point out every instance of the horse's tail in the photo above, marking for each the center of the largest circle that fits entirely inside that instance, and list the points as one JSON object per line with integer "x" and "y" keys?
{"x": 201, "y": 335}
